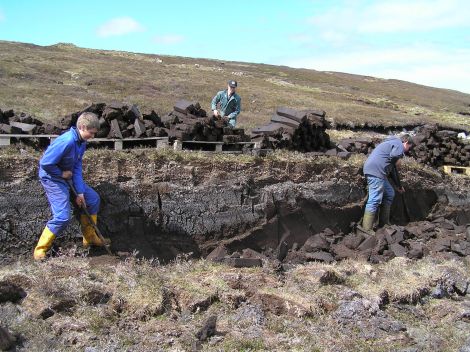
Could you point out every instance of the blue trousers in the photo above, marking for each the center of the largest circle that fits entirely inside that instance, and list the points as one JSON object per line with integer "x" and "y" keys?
{"x": 58, "y": 195}
{"x": 380, "y": 192}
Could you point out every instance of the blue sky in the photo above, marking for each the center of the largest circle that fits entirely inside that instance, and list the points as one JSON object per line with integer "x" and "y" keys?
{"x": 426, "y": 42}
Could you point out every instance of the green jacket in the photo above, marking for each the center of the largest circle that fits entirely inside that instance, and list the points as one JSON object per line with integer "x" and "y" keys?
{"x": 229, "y": 107}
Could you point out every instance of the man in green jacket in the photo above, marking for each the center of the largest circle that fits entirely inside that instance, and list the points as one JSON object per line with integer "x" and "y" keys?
{"x": 227, "y": 103}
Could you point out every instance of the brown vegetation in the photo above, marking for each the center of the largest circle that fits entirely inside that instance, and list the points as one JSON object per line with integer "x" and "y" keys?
{"x": 52, "y": 81}
{"x": 139, "y": 305}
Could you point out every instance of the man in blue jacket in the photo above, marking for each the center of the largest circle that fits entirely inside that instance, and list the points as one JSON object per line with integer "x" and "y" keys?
{"x": 379, "y": 166}
{"x": 62, "y": 162}
{"x": 229, "y": 103}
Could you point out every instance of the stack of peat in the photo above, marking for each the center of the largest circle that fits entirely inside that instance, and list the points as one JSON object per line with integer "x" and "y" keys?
{"x": 414, "y": 241}
{"x": 119, "y": 120}
{"x": 357, "y": 145}
{"x": 12, "y": 122}
{"x": 189, "y": 122}
{"x": 436, "y": 147}
{"x": 291, "y": 129}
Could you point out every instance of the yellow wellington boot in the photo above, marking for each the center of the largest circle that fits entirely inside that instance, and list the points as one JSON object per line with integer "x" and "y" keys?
{"x": 44, "y": 244}
{"x": 90, "y": 238}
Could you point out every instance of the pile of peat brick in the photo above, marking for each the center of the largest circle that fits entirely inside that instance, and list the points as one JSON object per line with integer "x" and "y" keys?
{"x": 439, "y": 237}
{"x": 415, "y": 240}
{"x": 303, "y": 131}
{"x": 437, "y": 147}
{"x": 12, "y": 122}
{"x": 119, "y": 120}
{"x": 434, "y": 146}
{"x": 362, "y": 145}
{"x": 189, "y": 122}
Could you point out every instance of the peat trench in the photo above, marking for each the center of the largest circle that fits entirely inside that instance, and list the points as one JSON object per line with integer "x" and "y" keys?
{"x": 273, "y": 217}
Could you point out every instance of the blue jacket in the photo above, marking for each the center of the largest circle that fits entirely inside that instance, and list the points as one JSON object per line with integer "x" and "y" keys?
{"x": 64, "y": 154}
{"x": 229, "y": 107}
{"x": 382, "y": 159}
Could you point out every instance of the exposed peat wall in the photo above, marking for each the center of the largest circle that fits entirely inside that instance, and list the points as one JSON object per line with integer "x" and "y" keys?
{"x": 162, "y": 206}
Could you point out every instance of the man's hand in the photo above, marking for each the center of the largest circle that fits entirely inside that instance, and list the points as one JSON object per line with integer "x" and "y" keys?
{"x": 80, "y": 200}
{"x": 67, "y": 175}
{"x": 401, "y": 190}
{"x": 216, "y": 113}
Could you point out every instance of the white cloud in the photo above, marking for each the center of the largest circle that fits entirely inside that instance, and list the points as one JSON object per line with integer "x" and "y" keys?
{"x": 452, "y": 76}
{"x": 119, "y": 26}
{"x": 2, "y": 16}
{"x": 390, "y": 17}
{"x": 415, "y": 16}
{"x": 428, "y": 66}
{"x": 168, "y": 39}
{"x": 361, "y": 36}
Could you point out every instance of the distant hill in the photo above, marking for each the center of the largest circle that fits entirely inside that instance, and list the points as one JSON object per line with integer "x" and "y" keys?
{"x": 51, "y": 81}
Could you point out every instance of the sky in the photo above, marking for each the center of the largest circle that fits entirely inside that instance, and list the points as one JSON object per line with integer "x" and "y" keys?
{"x": 421, "y": 41}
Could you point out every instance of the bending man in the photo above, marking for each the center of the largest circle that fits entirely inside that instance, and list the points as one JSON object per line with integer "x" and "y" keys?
{"x": 62, "y": 162}
{"x": 229, "y": 103}
{"x": 380, "y": 165}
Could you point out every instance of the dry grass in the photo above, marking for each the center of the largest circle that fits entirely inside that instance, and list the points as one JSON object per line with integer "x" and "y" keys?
{"x": 401, "y": 285}
{"x": 138, "y": 315}
{"x": 56, "y": 80}
{"x": 185, "y": 157}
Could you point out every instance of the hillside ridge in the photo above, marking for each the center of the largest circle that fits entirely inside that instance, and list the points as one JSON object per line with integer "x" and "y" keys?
{"x": 52, "y": 81}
